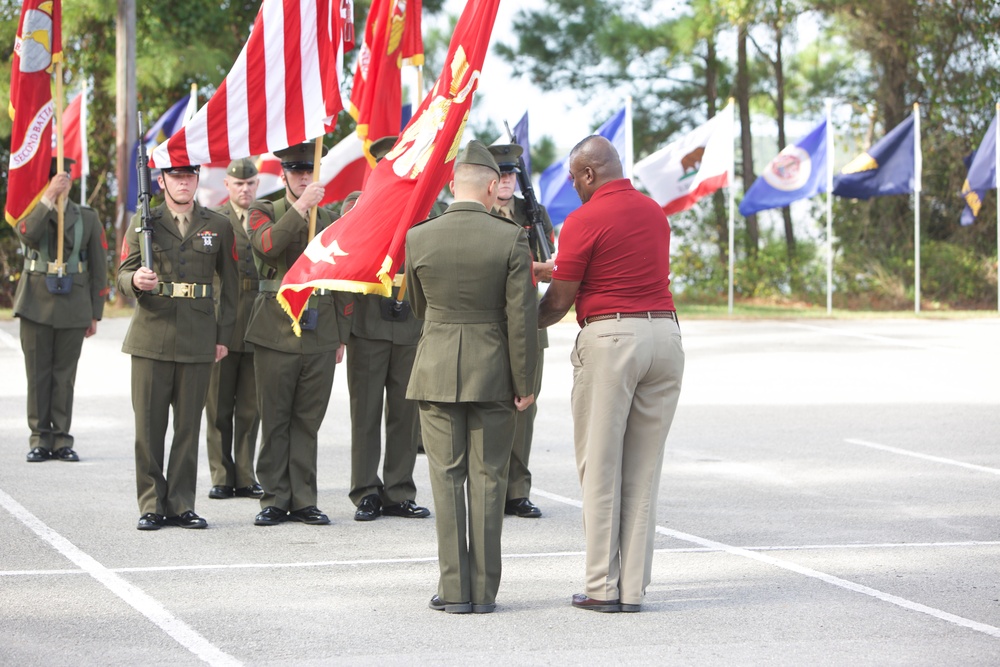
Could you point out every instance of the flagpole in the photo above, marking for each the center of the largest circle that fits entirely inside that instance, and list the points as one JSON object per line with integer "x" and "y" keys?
{"x": 829, "y": 208}
{"x": 917, "y": 176}
{"x": 732, "y": 202}
{"x": 84, "y": 148}
{"x": 317, "y": 158}
{"x": 629, "y": 153}
{"x": 61, "y": 200}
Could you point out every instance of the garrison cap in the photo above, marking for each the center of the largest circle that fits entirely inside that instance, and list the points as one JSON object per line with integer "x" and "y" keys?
{"x": 475, "y": 152}
{"x": 300, "y": 157}
{"x": 349, "y": 199}
{"x": 181, "y": 169}
{"x": 381, "y": 147}
{"x": 506, "y": 156}
{"x": 67, "y": 164}
{"x": 242, "y": 168}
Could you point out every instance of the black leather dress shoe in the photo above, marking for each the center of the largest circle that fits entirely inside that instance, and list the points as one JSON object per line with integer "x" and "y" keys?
{"x": 252, "y": 491}
{"x": 310, "y": 515}
{"x": 437, "y": 604}
{"x": 406, "y": 509}
{"x": 39, "y": 454}
{"x": 484, "y": 608}
{"x": 270, "y": 516}
{"x": 523, "y": 508}
{"x": 187, "y": 520}
{"x": 369, "y": 508}
{"x": 581, "y": 601}
{"x": 66, "y": 454}
{"x": 221, "y": 492}
{"x": 151, "y": 521}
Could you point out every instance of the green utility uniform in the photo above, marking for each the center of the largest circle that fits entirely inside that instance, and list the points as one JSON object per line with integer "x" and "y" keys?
{"x": 172, "y": 340}
{"x": 294, "y": 374}
{"x": 231, "y": 408}
{"x": 469, "y": 277}
{"x": 53, "y": 325}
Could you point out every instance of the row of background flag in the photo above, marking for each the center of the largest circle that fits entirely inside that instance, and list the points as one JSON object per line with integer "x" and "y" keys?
{"x": 677, "y": 176}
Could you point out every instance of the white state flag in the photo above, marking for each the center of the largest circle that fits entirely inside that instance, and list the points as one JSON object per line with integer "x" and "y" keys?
{"x": 696, "y": 165}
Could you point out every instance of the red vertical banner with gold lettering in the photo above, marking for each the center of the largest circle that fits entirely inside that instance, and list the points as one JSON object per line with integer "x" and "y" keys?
{"x": 392, "y": 39}
{"x": 37, "y": 47}
{"x": 362, "y": 251}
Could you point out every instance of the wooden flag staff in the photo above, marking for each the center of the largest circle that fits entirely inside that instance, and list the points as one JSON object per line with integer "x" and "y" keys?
{"x": 317, "y": 157}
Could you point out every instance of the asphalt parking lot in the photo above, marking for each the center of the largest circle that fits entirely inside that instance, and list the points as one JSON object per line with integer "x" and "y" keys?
{"x": 829, "y": 496}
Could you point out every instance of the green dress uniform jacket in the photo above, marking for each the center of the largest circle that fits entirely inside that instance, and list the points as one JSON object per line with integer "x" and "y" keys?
{"x": 53, "y": 325}
{"x": 294, "y": 374}
{"x": 172, "y": 341}
{"x": 469, "y": 277}
{"x": 519, "y": 476}
{"x": 231, "y": 407}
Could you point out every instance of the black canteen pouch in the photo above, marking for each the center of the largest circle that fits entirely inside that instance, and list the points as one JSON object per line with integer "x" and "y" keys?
{"x": 394, "y": 311}
{"x": 56, "y": 284}
{"x": 309, "y": 319}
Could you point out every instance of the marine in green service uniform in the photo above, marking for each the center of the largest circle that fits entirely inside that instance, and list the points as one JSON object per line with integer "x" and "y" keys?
{"x": 55, "y": 313}
{"x": 514, "y": 208}
{"x": 294, "y": 374}
{"x": 175, "y": 338}
{"x": 231, "y": 418}
{"x": 469, "y": 277}
{"x": 380, "y": 355}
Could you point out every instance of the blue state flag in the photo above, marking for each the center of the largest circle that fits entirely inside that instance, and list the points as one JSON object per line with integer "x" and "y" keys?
{"x": 887, "y": 168}
{"x": 558, "y": 196}
{"x": 521, "y": 139}
{"x": 982, "y": 174}
{"x": 797, "y": 172}
{"x": 160, "y": 131}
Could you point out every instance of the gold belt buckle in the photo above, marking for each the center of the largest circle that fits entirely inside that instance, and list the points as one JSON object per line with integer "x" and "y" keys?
{"x": 183, "y": 290}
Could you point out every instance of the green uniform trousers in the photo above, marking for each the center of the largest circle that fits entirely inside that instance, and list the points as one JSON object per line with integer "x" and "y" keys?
{"x": 158, "y": 387}
{"x": 292, "y": 401}
{"x": 232, "y": 422}
{"x": 468, "y": 452}
{"x": 50, "y": 359}
{"x": 376, "y": 368}
{"x": 519, "y": 477}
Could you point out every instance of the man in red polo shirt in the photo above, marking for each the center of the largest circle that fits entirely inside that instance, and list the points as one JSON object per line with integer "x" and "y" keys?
{"x": 614, "y": 263}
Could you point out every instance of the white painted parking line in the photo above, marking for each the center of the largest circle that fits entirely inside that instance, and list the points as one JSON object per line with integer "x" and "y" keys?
{"x": 136, "y": 598}
{"x": 866, "y": 336}
{"x": 926, "y": 457}
{"x": 834, "y": 581}
{"x": 793, "y": 567}
{"x": 7, "y": 340}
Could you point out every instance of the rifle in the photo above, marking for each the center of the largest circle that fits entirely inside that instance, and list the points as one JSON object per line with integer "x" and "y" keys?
{"x": 534, "y": 208}
{"x": 142, "y": 166}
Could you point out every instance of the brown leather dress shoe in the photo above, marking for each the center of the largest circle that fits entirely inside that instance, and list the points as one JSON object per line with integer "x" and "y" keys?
{"x": 581, "y": 601}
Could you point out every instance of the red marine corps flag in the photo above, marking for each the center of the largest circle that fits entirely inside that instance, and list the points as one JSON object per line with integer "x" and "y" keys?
{"x": 392, "y": 39}
{"x": 283, "y": 89}
{"x": 362, "y": 251}
{"x": 37, "y": 47}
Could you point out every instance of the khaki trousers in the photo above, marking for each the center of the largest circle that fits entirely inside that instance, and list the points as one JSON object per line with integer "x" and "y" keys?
{"x": 232, "y": 421}
{"x": 293, "y": 392}
{"x": 50, "y": 361}
{"x": 468, "y": 451}
{"x": 377, "y": 368}
{"x": 626, "y": 382}
{"x": 519, "y": 477}
{"x": 158, "y": 387}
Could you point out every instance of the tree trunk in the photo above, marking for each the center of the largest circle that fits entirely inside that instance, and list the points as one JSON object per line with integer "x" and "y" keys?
{"x": 779, "y": 104}
{"x": 718, "y": 199}
{"x": 125, "y": 115}
{"x": 746, "y": 139}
